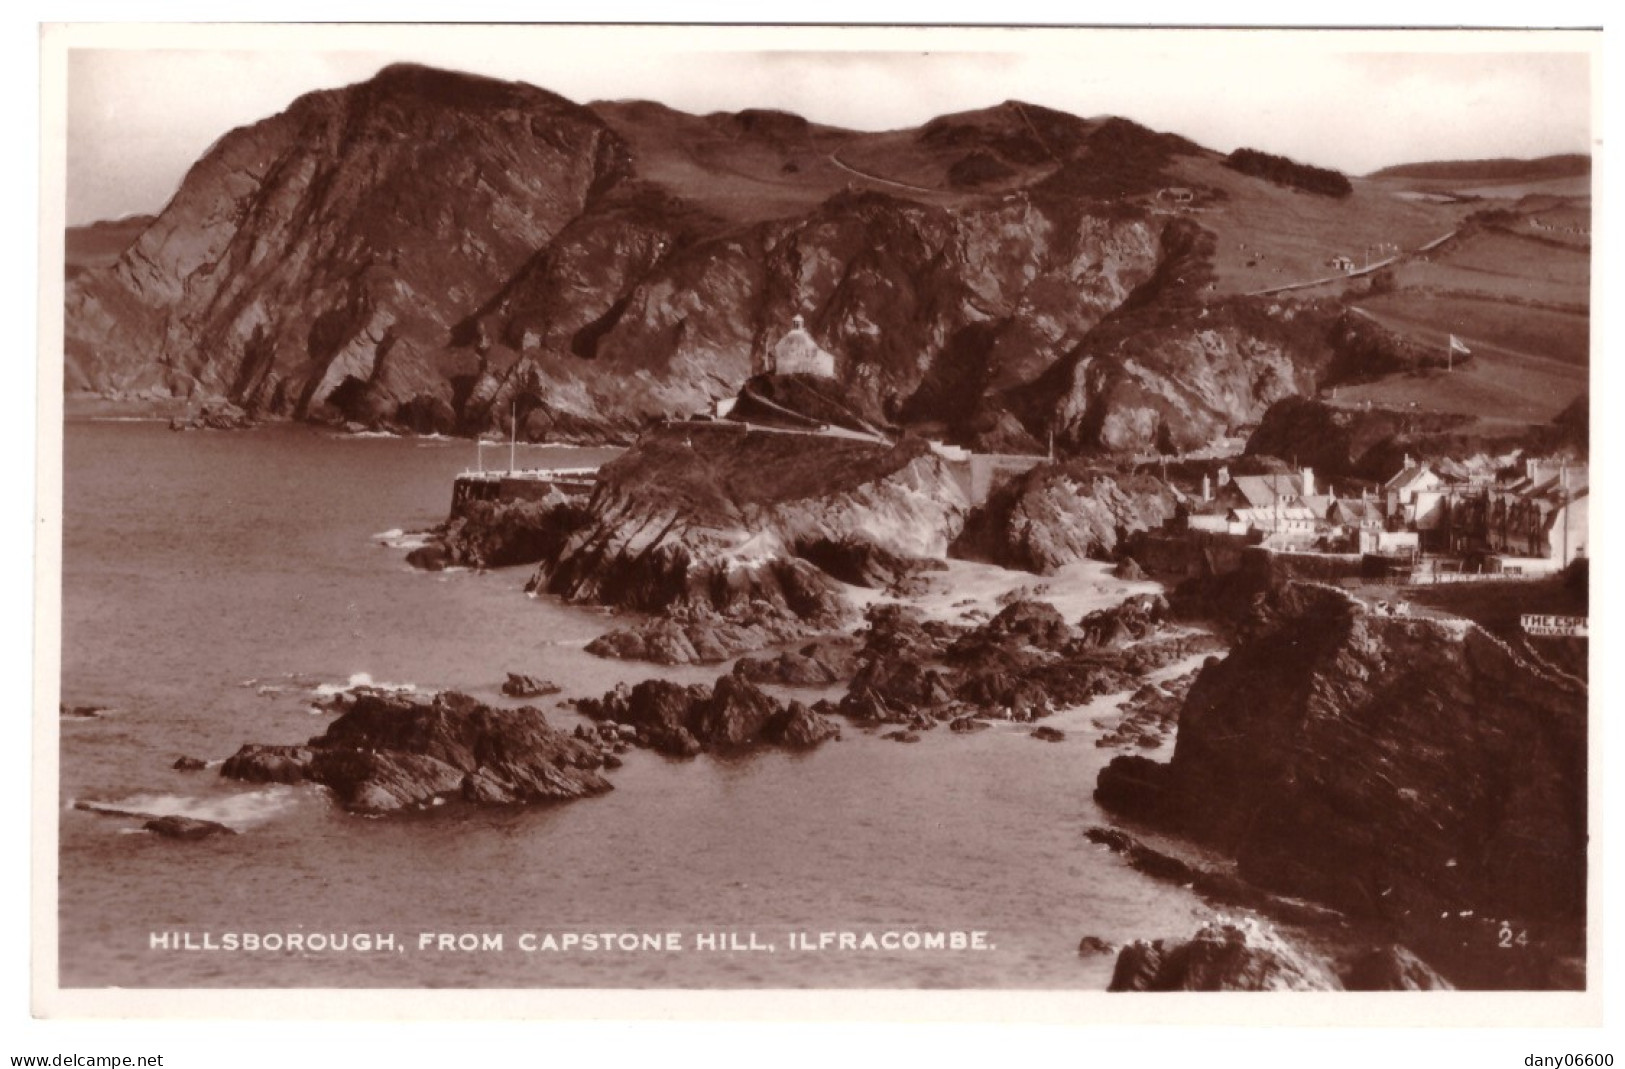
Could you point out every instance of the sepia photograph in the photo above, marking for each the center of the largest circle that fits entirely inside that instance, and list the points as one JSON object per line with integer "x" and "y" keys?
{"x": 1055, "y": 514}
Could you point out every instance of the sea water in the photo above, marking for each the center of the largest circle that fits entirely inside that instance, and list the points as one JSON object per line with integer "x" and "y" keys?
{"x": 216, "y": 585}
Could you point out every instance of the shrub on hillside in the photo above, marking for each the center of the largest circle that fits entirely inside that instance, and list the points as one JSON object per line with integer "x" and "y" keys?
{"x": 1285, "y": 172}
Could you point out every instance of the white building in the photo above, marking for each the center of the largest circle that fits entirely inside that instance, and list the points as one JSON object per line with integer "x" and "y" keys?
{"x": 798, "y": 354}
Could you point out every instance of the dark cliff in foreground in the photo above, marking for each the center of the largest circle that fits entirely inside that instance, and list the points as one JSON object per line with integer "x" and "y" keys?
{"x": 432, "y": 251}
{"x": 1400, "y": 769}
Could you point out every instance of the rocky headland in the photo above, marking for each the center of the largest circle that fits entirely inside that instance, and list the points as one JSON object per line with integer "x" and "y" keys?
{"x": 1411, "y": 772}
{"x": 715, "y": 528}
{"x": 607, "y": 265}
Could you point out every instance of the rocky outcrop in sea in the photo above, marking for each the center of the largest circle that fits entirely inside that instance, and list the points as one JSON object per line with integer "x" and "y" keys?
{"x": 1022, "y": 665}
{"x": 1222, "y": 955}
{"x": 732, "y": 716}
{"x": 388, "y": 752}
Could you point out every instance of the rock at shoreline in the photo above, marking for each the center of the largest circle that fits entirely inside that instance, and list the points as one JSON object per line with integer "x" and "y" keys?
{"x": 1149, "y": 716}
{"x": 188, "y": 828}
{"x": 1129, "y": 621}
{"x": 698, "y": 636}
{"x": 1218, "y": 886}
{"x": 518, "y": 685}
{"x": 217, "y": 416}
{"x": 81, "y": 712}
{"x": 1390, "y": 767}
{"x": 389, "y": 752}
{"x": 433, "y": 557}
{"x": 1221, "y": 956}
{"x": 1060, "y": 513}
{"x": 731, "y": 716}
{"x": 1021, "y": 665}
{"x": 800, "y": 728}
{"x": 1393, "y": 968}
{"x": 1128, "y": 569}
{"x": 170, "y": 826}
{"x": 1091, "y": 945}
{"x": 1049, "y": 734}
{"x": 864, "y": 563}
{"x": 499, "y": 534}
{"x": 189, "y": 764}
{"x": 820, "y": 663}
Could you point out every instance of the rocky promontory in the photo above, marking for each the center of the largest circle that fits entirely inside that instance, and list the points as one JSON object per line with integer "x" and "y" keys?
{"x": 388, "y": 752}
{"x": 1397, "y": 768}
{"x": 708, "y": 527}
{"x": 498, "y": 534}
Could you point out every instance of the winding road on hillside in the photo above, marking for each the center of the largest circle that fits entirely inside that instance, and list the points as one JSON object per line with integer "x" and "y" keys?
{"x": 1366, "y": 270}
{"x": 843, "y": 165}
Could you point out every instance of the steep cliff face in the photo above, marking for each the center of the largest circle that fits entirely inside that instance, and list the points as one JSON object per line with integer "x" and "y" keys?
{"x": 1060, "y": 513}
{"x": 1173, "y": 375}
{"x": 442, "y": 252}
{"x": 1390, "y": 766}
{"x": 650, "y": 312}
{"x": 432, "y": 251}
{"x": 317, "y": 253}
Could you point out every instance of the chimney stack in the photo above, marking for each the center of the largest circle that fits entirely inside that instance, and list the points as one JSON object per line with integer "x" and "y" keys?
{"x": 1224, "y": 475}
{"x": 1308, "y": 482}
{"x": 1207, "y": 488}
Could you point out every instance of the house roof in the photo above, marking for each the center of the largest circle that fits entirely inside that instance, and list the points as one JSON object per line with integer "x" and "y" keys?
{"x": 1261, "y": 491}
{"x": 1269, "y": 517}
{"x": 1412, "y": 478}
{"x": 1355, "y": 510}
{"x": 1319, "y": 504}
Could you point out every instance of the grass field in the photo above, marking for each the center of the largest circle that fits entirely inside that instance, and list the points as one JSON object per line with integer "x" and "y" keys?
{"x": 1270, "y": 236}
{"x": 1516, "y": 292}
{"x": 749, "y": 175}
{"x": 1498, "y": 264}
{"x": 1543, "y": 334}
{"x": 1509, "y": 189}
{"x": 1516, "y": 375}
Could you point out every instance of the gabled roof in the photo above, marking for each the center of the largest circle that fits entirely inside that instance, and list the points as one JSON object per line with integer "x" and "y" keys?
{"x": 1319, "y": 504}
{"x": 1355, "y": 510}
{"x": 1412, "y": 478}
{"x": 1261, "y": 491}
{"x": 1271, "y": 516}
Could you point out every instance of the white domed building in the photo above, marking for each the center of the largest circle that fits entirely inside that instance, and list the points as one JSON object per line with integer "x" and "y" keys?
{"x": 797, "y": 354}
